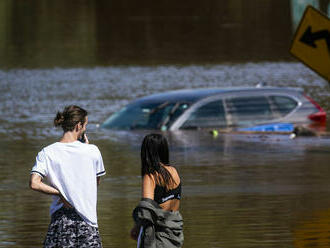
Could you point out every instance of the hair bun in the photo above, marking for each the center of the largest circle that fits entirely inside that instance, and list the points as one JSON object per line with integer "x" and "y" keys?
{"x": 59, "y": 119}
{"x": 70, "y": 117}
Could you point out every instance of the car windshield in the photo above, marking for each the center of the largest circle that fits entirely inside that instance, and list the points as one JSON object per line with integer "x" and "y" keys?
{"x": 146, "y": 116}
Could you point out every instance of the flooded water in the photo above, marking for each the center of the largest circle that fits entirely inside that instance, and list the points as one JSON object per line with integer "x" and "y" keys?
{"x": 238, "y": 190}
{"x": 104, "y": 32}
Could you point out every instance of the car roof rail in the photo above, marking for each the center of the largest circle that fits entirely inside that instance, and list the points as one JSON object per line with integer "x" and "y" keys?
{"x": 261, "y": 84}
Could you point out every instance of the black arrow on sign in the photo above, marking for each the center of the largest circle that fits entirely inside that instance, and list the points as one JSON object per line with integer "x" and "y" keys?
{"x": 309, "y": 38}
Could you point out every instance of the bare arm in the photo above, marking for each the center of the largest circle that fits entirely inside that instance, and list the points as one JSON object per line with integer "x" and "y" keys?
{"x": 148, "y": 187}
{"x": 98, "y": 180}
{"x": 37, "y": 185}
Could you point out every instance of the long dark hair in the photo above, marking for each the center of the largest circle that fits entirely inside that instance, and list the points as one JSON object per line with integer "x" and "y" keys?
{"x": 154, "y": 154}
{"x": 70, "y": 117}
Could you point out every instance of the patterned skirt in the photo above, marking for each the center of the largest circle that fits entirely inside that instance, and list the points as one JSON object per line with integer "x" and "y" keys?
{"x": 68, "y": 229}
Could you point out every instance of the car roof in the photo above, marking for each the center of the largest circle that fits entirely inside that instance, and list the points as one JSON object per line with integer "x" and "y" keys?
{"x": 194, "y": 95}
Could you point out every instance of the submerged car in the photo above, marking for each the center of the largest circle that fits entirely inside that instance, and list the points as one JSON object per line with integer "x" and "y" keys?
{"x": 220, "y": 108}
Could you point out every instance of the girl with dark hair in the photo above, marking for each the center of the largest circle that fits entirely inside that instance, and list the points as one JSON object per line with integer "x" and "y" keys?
{"x": 73, "y": 170}
{"x": 158, "y": 222}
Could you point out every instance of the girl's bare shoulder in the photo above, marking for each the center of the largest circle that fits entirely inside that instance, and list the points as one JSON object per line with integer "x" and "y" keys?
{"x": 174, "y": 173}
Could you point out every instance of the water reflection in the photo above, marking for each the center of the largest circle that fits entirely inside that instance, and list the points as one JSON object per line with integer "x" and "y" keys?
{"x": 312, "y": 230}
{"x": 89, "y": 33}
{"x": 238, "y": 190}
{"x": 40, "y": 93}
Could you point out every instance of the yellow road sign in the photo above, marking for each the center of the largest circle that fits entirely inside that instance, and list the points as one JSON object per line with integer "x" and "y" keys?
{"x": 311, "y": 43}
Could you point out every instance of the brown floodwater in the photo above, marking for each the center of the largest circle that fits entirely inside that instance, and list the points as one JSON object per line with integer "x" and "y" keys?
{"x": 238, "y": 190}
{"x": 106, "y": 32}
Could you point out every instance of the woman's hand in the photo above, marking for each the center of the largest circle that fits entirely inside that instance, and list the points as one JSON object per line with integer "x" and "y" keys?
{"x": 135, "y": 232}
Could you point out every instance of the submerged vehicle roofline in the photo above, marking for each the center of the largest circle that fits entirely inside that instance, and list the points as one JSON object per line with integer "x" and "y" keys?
{"x": 195, "y": 94}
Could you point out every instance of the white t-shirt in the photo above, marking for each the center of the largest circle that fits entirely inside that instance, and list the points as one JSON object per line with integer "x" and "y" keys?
{"x": 72, "y": 169}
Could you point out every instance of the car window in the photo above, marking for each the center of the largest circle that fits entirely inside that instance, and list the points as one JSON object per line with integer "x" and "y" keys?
{"x": 209, "y": 115}
{"x": 145, "y": 116}
{"x": 283, "y": 104}
{"x": 176, "y": 111}
{"x": 248, "y": 110}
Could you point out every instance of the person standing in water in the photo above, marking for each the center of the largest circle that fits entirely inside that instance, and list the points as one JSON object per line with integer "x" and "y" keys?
{"x": 73, "y": 169}
{"x": 158, "y": 222}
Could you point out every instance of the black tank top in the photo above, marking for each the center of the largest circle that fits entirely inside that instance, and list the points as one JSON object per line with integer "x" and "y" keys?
{"x": 161, "y": 195}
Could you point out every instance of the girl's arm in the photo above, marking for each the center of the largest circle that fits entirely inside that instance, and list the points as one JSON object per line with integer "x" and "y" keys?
{"x": 148, "y": 186}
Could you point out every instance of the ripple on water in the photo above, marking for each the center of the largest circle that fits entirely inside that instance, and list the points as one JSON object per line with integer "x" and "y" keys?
{"x": 34, "y": 96}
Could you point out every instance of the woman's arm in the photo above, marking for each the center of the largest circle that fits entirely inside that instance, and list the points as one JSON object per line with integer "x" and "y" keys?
{"x": 148, "y": 187}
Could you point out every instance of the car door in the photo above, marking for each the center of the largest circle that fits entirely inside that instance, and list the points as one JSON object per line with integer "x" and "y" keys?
{"x": 210, "y": 114}
{"x": 243, "y": 111}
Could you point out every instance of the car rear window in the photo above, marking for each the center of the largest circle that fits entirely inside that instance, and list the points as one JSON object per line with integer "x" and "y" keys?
{"x": 248, "y": 110}
{"x": 283, "y": 104}
{"x": 209, "y": 115}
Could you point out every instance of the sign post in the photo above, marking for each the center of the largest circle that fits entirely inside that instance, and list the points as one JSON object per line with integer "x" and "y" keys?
{"x": 311, "y": 43}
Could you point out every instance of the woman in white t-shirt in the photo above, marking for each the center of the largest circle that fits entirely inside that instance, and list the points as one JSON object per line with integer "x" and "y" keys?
{"x": 73, "y": 168}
